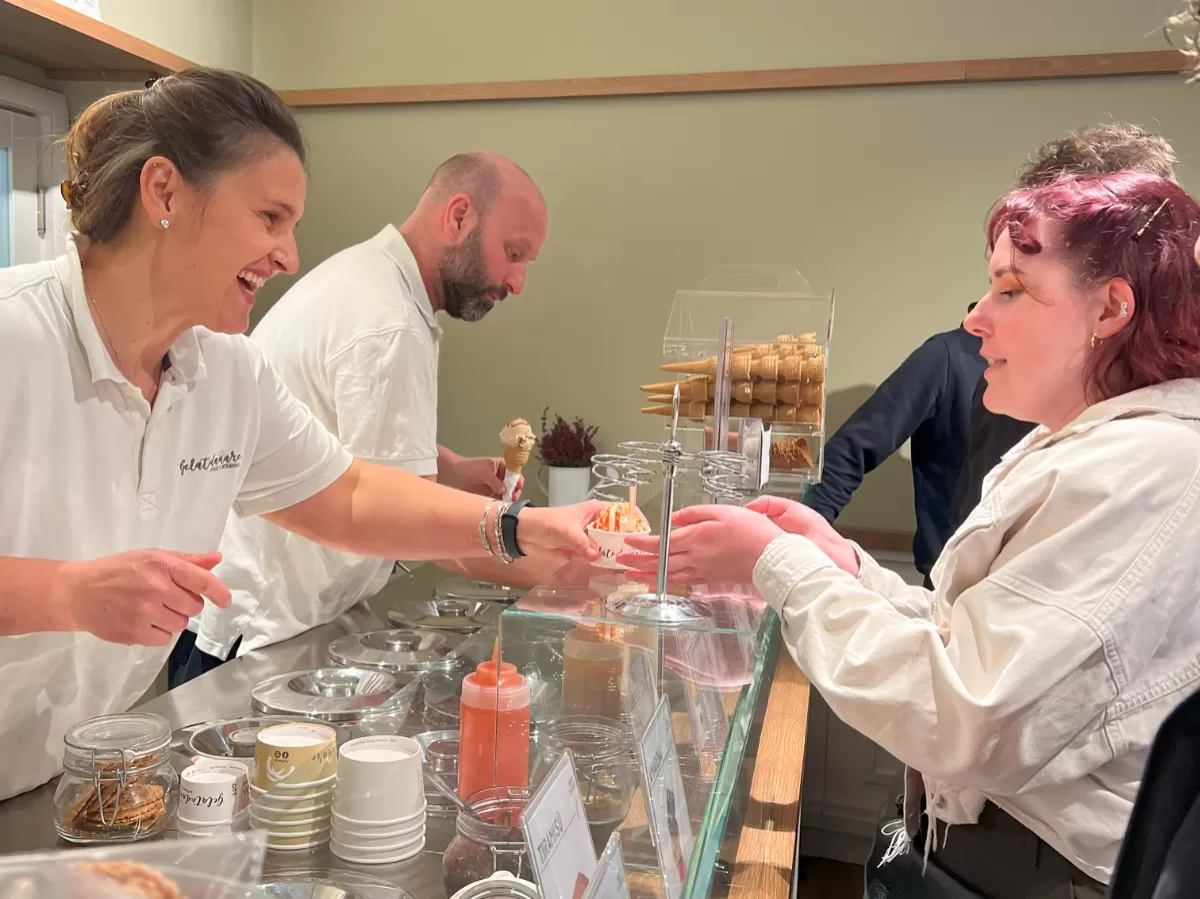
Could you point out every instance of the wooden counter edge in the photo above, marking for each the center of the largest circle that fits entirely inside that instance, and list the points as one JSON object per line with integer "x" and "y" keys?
{"x": 767, "y": 846}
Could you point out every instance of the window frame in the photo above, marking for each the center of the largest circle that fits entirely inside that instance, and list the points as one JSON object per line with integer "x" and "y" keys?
{"x": 50, "y": 110}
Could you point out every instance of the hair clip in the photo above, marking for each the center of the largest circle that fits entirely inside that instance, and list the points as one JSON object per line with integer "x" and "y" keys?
{"x": 1153, "y": 216}
{"x": 65, "y": 190}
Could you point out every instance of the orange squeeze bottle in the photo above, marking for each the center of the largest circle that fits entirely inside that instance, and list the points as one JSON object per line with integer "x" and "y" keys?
{"x": 493, "y": 739}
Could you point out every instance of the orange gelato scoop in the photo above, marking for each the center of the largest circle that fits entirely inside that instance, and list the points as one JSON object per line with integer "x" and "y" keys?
{"x": 621, "y": 518}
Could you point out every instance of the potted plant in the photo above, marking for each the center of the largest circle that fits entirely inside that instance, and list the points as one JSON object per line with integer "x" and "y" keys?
{"x": 565, "y": 450}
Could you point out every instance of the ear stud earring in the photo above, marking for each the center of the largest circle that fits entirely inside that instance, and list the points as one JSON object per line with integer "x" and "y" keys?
{"x": 164, "y": 224}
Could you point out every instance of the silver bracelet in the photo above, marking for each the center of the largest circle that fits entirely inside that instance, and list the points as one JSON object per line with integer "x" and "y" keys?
{"x": 483, "y": 527}
{"x": 508, "y": 560}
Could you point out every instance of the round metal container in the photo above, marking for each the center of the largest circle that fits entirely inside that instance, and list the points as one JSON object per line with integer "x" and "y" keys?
{"x": 471, "y": 590}
{"x": 334, "y": 695}
{"x": 456, "y": 616}
{"x": 233, "y": 738}
{"x": 401, "y": 649}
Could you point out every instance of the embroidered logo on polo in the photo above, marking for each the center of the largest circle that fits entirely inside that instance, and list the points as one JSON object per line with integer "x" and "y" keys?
{"x": 215, "y": 462}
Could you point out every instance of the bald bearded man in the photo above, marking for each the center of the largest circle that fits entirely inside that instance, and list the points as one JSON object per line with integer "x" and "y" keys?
{"x": 356, "y": 340}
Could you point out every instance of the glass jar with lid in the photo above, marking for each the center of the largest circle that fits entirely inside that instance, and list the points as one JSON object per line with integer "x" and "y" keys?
{"x": 489, "y": 839}
{"x": 605, "y": 767}
{"x": 118, "y": 784}
{"x": 500, "y": 885}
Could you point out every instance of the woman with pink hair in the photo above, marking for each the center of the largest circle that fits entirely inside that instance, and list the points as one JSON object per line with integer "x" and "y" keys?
{"x": 1024, "y": 691}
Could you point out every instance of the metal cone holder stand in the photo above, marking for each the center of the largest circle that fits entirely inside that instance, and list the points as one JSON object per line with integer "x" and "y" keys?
{"x": 725, "y": 476}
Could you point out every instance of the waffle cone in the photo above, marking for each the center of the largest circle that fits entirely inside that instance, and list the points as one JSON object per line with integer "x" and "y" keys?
{"x": 515, "y": 459}
{"x": 791, "y": 454}
{"x": 797, "y": 394}
{"x": 695, "y": 388}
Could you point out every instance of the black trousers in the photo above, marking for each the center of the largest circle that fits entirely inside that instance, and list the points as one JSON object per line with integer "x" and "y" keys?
{"x": 998, "y": 858}
{"x": 188, "y": 663}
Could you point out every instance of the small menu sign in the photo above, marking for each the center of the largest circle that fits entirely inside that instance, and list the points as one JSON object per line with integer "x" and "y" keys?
{"x": 609, "y": 882}
{"x": 556, "y": 831}
{"x": 663, "y": 784}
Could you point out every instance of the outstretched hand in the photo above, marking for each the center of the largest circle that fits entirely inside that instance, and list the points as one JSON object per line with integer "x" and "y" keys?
{"x": 709, "y": 544}
{"x": 797, "y": 518}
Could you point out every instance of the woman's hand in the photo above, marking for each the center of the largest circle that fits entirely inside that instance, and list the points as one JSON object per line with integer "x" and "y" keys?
{"x": 709, "y": 544}
{"x": 143, "y": 597}
{"x": 483, "y": 476}
{"x": 559, "y": 532}
{"x": 796, "y": 518}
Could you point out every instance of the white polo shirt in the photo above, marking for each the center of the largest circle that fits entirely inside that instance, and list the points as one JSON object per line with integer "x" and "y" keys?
{"x": 356, "y": 341}
{"x": 90, "y": 470}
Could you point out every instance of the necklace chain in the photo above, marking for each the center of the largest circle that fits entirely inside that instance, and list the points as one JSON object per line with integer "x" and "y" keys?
{"x": 112, "y": 347}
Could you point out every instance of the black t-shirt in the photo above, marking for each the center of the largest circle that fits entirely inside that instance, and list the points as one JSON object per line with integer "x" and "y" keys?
{"x": 928, "y": 400}
{"x": 991, "y": 436}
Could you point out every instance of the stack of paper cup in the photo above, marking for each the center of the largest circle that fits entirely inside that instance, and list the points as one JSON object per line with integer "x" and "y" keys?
{"x": 210, "y": 795}
{"x": 379, "y": 804}
{"x": 296, "y": 768}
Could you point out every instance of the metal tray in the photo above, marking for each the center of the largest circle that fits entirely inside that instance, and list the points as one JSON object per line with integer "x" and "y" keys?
{"x": 399, "y": 649}
{"x": 335, "y": 695}
{"x": 456, "y": 616}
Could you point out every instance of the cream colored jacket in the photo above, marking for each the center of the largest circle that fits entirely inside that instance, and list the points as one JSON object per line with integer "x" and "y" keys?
{"x": 1064, "y": 627}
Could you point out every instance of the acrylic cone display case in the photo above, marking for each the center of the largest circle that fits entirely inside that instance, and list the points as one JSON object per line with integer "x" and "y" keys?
{"x": 779, "y": 360}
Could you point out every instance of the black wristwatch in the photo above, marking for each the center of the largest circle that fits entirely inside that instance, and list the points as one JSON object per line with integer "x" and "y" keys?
{"x": 508, "y": 529}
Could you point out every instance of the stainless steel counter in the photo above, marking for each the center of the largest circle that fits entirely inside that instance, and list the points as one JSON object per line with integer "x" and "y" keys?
{"x": 27, "y": 821}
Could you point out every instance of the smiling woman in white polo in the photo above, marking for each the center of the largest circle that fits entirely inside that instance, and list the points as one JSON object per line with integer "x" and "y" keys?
{"x": 136, "y": 415}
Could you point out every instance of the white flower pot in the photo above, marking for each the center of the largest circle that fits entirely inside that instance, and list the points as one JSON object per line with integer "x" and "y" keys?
{"x": 564, "y": 486}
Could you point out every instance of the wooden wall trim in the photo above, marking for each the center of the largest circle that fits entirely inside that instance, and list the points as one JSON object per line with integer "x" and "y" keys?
{"x": 973, "y": 71}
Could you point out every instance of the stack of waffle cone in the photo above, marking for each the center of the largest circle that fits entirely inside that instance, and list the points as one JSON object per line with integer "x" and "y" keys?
{"x": 805, "y": 415}
{"x": 700, "y": 388}
{"x": 806, "y": 370}
{"x": 785, "y": 346}
{"x": 791, "y": 454}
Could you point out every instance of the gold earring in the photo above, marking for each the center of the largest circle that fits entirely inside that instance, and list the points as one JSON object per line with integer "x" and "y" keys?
{"x": 1096, "y": 341}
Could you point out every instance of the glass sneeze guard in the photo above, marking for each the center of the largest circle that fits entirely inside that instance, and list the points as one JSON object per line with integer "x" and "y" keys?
{"x": 585, "y": 668}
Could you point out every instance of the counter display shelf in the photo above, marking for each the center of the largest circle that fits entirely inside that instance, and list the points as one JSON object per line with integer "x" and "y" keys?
{"x": 587, "y": 670}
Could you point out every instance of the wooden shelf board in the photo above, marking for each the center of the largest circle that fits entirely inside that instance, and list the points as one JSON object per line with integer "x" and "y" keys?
{"x": 1153, "y": 62}
{"x": 72, "y": 46}
{"x": 767, "y": 847}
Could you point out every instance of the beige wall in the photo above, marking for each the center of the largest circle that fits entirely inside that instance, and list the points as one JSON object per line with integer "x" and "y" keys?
{"x": 317, "y": 43}
{"x": 208, "y": 32}
{"x": 879, "y": 193}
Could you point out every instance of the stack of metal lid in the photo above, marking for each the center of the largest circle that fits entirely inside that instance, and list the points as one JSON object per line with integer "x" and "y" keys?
{"x": 336, "y": 695}
{"x": 397, "y": 650}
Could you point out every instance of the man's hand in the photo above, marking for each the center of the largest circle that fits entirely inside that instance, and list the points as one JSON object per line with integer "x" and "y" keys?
{"x": 483, "y": 476}
{"x": 143, "y": 597}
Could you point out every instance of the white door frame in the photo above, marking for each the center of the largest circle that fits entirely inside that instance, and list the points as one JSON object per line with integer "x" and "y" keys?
{"x": 50, "y": 110}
